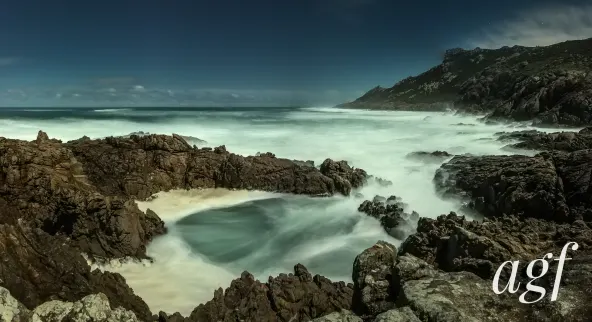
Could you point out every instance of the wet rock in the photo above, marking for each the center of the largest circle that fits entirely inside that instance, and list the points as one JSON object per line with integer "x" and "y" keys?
{"x": 429, "y": 157}
{"x": 391, "y": 213}
{"x": 344, "y": 177}
{"x": 558, "y": 141}
{"x": 372, "y": 280}
{"x": 512, "y": 185}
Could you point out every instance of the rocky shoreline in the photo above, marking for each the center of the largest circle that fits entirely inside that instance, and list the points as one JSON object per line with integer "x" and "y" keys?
{"x": 548, "y": 85}
{"x": 62, "y": 199}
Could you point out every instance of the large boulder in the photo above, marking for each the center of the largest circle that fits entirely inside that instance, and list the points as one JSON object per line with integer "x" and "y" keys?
{"x": 372, "y": 280}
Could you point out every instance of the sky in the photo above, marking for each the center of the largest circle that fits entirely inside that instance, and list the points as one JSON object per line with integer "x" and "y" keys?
{"x": 250, "y": 53}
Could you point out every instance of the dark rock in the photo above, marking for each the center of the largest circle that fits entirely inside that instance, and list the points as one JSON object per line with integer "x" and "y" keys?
{"x": 372, "y": 280}
{"x": 47, "y": 187}
{"x": 512, "y": 185}
{"x": 37, "y": 267}
{"x": 391, "y": 213}
{"x": 294, "y": 297}
{"x": 559, "y": 141}
{"x": 141, "y": 166}
{"x": 429, "y": 157}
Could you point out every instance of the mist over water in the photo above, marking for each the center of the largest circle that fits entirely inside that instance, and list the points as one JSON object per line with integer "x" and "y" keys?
{"x": 215, "y": 234}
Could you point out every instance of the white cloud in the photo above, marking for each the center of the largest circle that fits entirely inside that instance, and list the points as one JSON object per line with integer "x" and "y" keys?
{"x": 540, "y": 27}
{"x": 139, "y": 88}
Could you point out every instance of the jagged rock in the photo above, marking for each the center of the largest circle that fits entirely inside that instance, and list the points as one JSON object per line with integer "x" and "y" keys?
{"x": 37, "y": 267}
{"x": 429, "y": 157}
{"x": 512, "y": 185}
{"x": 549, "y": 85}
{"x": 342, "y": 316}
{"x": 11, "y": 310}
{"x": 344, "y": 176}
{"x": 558, "y": 141}
{"x": 46, "y": 186}
{"x": 402, "y": 314}
{"x": 94, "y": 307}
{"x": 454, "y": 244}
{"x": 297, "y": 297}
{"x": 391, "y": 213}
{"x": 449, "y": 297}
{"x": 140, "y": 166}
{"x": 372, "y": 280}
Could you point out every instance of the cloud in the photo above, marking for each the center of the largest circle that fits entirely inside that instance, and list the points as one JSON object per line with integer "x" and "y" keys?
{"x": 7, "y": 61}
{"x": 539, "y": 27}
{"x": 138, "y": 88}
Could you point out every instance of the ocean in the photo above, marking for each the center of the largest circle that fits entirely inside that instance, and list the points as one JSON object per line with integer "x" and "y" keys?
{"x": 216, "y": 234}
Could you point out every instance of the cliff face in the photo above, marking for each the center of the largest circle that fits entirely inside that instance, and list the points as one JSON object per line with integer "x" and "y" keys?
{"x": 549, "y": 85}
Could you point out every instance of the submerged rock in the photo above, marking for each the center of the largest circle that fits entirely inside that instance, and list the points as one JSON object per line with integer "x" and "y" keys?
{"x": 429, "y": 157}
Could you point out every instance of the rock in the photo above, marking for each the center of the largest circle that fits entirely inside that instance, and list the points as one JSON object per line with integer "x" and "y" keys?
{"x": 344, "y": 176}
{"x": 511, "y": 185}
{"x": 93, "y": 307}
{"x": 461, "y": 296}
{"x": 37, "y": 267}
{"x": 47, "y": 187}
{"x": 458, "y": 246}
{"x": 452, "y": 243}
{"x": 392, "y": 215}
{"x": 549, "y": 85}
{"x": 402, "y": 314}
{"x": 342, "y": 316}
{"x": 558, "y": 141}
{"x": 140, "y": 166}
{"x": 11, "y": 310}
{"x": 429, "y": 157}
{"x": 294, "y": 297}
{"x": 372, "y": 280}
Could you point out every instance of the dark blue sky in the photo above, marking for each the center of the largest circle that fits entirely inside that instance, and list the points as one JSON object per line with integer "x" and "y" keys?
{"x": 237, "y": 52}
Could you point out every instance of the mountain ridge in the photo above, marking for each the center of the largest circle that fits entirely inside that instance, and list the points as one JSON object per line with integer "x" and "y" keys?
{"x": 547, "y": 84}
